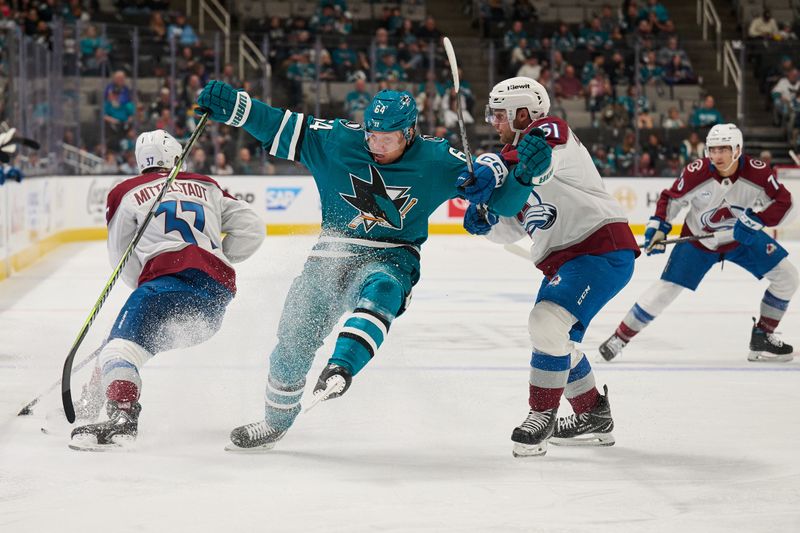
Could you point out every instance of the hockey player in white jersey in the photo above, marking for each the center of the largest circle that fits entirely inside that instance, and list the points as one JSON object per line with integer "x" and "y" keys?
{"x": 584, "y": 247}
{"x": 732, "y": 196}
{"x": 180, "y": 271}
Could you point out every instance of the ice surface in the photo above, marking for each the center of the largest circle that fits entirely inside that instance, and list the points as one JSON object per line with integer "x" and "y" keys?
{"x": 705, "y": 440}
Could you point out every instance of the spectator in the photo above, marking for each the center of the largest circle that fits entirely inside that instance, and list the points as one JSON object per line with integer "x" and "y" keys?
{"x": 450, "y": 110}
{"x": 514, "y": 36}
{"x": 603, "y": 161}
{"x": 118, "y": 85}
{"x": 531, "y": 68}
{"x": 673, "y": 120}
{"x": 692, "y": 148}
{"x": 389, "y": 70}
{"x": 395, "y": 22}
{"x": 109, "y": 164}
{"x": 117, "y": 114}
{"x": 656, "y": 8}
{"x": 679, "y": 73}
{"x": 766, "y": 157}
{"x": 245, "y": 165}
{"x": 324, "y": 20}
{"x": 523, "y": 10}
{"x": 429, "y": 31}
{"x": 158, "y": 28}
{"x": 183, "y": 32}
{"x": 300, "y": 70}
{"x": 658, "y": 152}
{"x": 229, "y": 76}
{"x": 129, "y": 166}
{"x": 763, "y": 26}
{"x": 563, "y": 39}
{"x": 624, "y": 154}
{"x": 519, "y": 55}
{"x": 785, "y": 33}
{"x": 651, "y": 72}
{"x": 91, "y": 42}
{"x": 597, "y": 64}
{"x": 786, "y": 97}
{"x": 221, "y": 166}
{"x": 593, "y": 37}
{"x": 673, "y": 167}
{"x": 608, "y": 20}
{"x": 356, "y": 101}
{"x": 98, "y": 64}
{"x": 346, "y": 61}
{"x": 707, "y": 115}
{"x": 382, "y": 46}
{"x": 599, "y": 90}
{"x": 158, "y": 105}
{"x": 412, "y": 61}
{"x": 128, "y": 143}
{"x": 646, "y": 168}
{"x": 618, "y": 71}
{"x": 198, "y": 162}
{"x": 429, "y": 101}
{"x": 670, "y": 50}
{"x": 569, "y": 86}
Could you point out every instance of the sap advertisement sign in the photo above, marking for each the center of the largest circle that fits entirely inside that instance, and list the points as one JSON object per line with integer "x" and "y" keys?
{"x": 281, "y": 198}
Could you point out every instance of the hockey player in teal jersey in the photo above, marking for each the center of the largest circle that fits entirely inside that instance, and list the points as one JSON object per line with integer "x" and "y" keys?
{"x": 378, "y": 184}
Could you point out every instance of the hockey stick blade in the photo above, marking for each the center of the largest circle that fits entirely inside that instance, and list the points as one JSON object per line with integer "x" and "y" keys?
{"x": 66, "y": 393}
{"x": 28, "y": 409}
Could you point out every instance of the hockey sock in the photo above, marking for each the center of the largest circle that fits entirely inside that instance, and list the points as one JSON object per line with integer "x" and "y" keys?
{"x": 282, "y": 402}
{"x": 772, "y": 311}
{"x": 548, "y": 377}
{"x": 359, "y": 339}
{"x": 581, "y": 391}
{"x": 119, "y": 362}
{"x": 635, "y": 321}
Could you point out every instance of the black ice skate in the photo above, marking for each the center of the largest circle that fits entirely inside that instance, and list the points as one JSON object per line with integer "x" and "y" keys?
{"x": 255, "y": 437}
{"x": 332, "y": 383}
{"x": 118, "y": 432}
{"x": 530, "y": 438}
{"x": 612, "y": 347}
{"x": 766, "y": 347}
{"x": 586, "y": 429}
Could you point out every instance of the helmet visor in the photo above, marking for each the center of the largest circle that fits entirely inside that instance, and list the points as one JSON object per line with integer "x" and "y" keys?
{"x": 384, "y": 142}
{"x": 495, "y": 115}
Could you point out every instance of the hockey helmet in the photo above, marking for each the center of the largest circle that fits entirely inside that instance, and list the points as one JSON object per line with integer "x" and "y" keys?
{"x": 514, "y": 93}
{"x": 157, "y": 149}
{"x": 390, "y": 111}
{"x": 725, "y": 135}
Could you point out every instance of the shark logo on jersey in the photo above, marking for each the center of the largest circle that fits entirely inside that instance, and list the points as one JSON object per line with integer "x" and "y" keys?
{"x": 720, "y": 218}
{"x": 537, "y": 216}
{"x": 377, "y": 204}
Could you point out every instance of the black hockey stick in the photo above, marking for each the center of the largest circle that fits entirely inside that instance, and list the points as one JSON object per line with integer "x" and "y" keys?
{"x": 66, "y": 393}
{"x": 689, "y": 238}
{"x": 28, "y": 409}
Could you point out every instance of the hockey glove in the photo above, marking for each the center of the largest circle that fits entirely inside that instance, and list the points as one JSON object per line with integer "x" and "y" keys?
{"x": 747, "y": 227}
{"x": 655, "y": 235}
{"x": 489, "y": 172}
{"x": 535, "y": 159}
{"x": 476, "y": 224}
{"x": 224, "y": 103}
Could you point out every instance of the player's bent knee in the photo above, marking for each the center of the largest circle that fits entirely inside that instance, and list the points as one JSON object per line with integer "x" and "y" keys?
{"x": 549, "y": 325}
{"x": 659, "y": 296}
{"x": 382, "y": 293}
{"x": 784, "y": 279}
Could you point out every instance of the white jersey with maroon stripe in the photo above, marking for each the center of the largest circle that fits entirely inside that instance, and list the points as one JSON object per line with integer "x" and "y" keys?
{"x": 569, "y": 209}
{"x": 715, "y": 202}
{"x": 186, "y": 231}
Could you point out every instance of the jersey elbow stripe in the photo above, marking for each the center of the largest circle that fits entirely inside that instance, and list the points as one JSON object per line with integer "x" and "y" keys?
{"x": 277, "y": 140}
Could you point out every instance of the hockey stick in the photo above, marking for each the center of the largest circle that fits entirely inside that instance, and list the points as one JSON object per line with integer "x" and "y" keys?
{"x": 794, "y": 157}
{"x": 451, "y": 58}
{"x": 9, "y": 146}
{"x": 66, "y": 393}
{"x": 689, "y": 238}
{"x": 28, "y": 409}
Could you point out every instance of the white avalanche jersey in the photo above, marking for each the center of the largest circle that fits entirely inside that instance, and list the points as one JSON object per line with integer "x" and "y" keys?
{"x": 186, "y": 230}
{"x": 715, "y": 203}
{"x": 570, "y": 214}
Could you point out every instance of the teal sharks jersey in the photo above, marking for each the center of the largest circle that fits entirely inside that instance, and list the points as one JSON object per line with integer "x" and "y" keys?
{"x": 360, "y": 198}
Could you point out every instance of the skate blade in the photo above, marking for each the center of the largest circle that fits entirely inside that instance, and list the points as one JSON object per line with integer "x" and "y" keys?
{"x": 231, "y": 447}
{"x": 120, "y": 444}
{"x": 590, "y": 439}
{"x": 523, "y": 451}
{"x": 335, "y": 385}
{"x": 762, "y": 357}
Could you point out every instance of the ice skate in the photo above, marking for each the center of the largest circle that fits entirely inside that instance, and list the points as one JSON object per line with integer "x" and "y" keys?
{"x": 612, "y": 347}
{"x": 530, "y": 438}
{"x": 766, "y": 347}
{"x": 586, "y": 429}
{"x": 332, "y": 383}
{"x": 254, "y": 438}
{"x": 118, "y": 432}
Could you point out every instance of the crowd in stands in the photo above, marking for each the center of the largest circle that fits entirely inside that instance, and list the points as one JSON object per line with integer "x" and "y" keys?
{"x": 593, "y": 64}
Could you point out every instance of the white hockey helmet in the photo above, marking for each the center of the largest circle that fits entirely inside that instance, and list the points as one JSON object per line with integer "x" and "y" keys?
{"x": 514, "y": 93}
{"x": 157, "y": 149}
{"x": 726, "y": 135}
